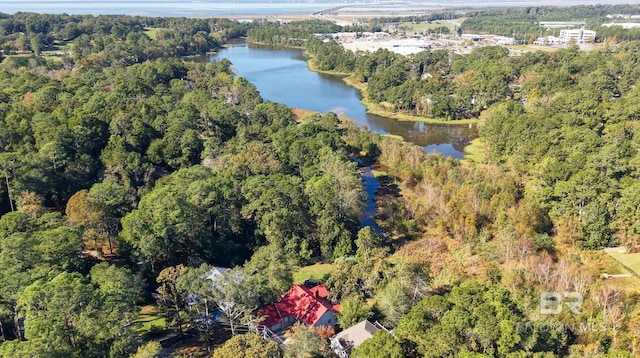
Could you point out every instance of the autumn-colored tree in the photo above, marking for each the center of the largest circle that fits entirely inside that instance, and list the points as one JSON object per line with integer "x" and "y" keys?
{"x": 326, "y": 332}
{"x": 171, "y": 297}
{"x": 83, "y": 214}
{"x": 306, "y": 343}
{"x": 31, "y": 203}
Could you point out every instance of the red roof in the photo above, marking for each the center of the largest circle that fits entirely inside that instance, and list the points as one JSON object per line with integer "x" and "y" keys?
{"x": 305, "y": 304}
{"x": 318, "y": 291}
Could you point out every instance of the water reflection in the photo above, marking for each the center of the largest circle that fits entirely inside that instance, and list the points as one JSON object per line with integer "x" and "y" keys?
{"x": 282, "y": 75}
{"x": 371, "y": 184}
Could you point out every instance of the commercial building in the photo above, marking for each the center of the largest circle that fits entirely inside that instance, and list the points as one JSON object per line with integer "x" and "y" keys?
{"x": 577, "y": 36}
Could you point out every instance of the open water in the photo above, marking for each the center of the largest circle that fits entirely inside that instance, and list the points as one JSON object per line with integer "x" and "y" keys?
{"x": 251, "y": 8}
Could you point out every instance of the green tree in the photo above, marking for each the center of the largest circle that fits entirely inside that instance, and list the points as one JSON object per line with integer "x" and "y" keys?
{"x": 352, "y": 311}
{"x": 335, "y": 192}
{"x": 236, "y": 298}
{"x": 113, "y": 199}
{"x": 306, "y": 343}
{"x": 149, "y": 350}
{"x": 475, "y": 318}
{"x": 381, "y": 345}
{"x": 394, "y": 303}
{"x": 33, "y": 249}
{"x": 268, "y": 274}
{"x": 165, "y": 222}
{"x": 367, "y": 243}
{"x": 248, "y": 346}
{"x": 66, "y": 316}
{"x": 278, "y": 204}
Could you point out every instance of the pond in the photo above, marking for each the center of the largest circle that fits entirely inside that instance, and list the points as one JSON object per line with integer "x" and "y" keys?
{"x": 281, "y": 75}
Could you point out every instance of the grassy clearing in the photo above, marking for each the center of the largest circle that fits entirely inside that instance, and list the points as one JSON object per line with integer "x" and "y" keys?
{"x": 54, "y": 58}
{"x": 628, "y": 283}
{"x": 632, "y": 261}
{"x": 317, "y": 271}
{"x": 420, "y": 28}
{"x": 379, "y": 174}
{"x": 300, "y": 113}
{"x": 528, "y": 48}
{"x": 351, "y": 81}
{"x": 382, "y": 111}
{"x": 152, "y": 32}
{"x": 149, "y": 322}
{"x": 394, "y": 136}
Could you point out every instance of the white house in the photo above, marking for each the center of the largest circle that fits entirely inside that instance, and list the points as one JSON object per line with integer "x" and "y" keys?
{"x": 214, "y": 275}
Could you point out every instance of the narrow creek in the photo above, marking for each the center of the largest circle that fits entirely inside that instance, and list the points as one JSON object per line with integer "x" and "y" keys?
{"x": 281, "y": 75}
{"x": 371, "y": 185}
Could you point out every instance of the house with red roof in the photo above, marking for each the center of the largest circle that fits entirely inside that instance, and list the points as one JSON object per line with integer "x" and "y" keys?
{"x": 300, "y": 304}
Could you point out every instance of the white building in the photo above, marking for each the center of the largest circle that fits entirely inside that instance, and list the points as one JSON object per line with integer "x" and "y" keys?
{"x": 548, "y": 40}
{"x": 623, "y": 16}
{"x": 624, "y": 25}
{"x": 577, "y": 35}
{"x": 504, "y": 40}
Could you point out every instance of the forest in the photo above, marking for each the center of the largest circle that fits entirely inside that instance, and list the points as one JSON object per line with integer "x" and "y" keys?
{"x": 129, "y": 172}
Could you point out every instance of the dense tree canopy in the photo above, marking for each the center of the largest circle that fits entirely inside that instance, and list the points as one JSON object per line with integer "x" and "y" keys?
{"x": 167, "y": 167}
{"x": 474, "y": 318}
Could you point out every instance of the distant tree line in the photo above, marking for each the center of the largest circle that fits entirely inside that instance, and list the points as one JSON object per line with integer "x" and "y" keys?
{"x": 112, "y": 40}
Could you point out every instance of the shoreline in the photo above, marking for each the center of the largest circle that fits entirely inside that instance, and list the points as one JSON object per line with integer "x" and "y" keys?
{"x": 375, "y": 108}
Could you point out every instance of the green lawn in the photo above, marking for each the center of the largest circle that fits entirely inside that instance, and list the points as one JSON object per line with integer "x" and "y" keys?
{"x": 527, "y": 48}
{"x": 152, "y": 32}
{"x": 394, "y": 136}
{"x": 632, "y": 261}
{"x": 149, "y": 322}
{"x": 317, "y": 271}
{"x": 419, "y": 28}
{"x": 387, "y": 112}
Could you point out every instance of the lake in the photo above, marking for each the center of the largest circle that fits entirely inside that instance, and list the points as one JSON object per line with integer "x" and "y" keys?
{"x": 282, "y": 75}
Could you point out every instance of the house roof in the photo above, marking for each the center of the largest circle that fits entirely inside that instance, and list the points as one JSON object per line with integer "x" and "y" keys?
{"x": 216, "y": 272}
{"x": 305, "y": 304}
{"x": 356, "y": 334}
{"x": 214, "y": 275}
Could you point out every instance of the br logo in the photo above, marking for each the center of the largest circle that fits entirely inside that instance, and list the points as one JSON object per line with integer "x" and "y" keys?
{"x": 551, "y": 302}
